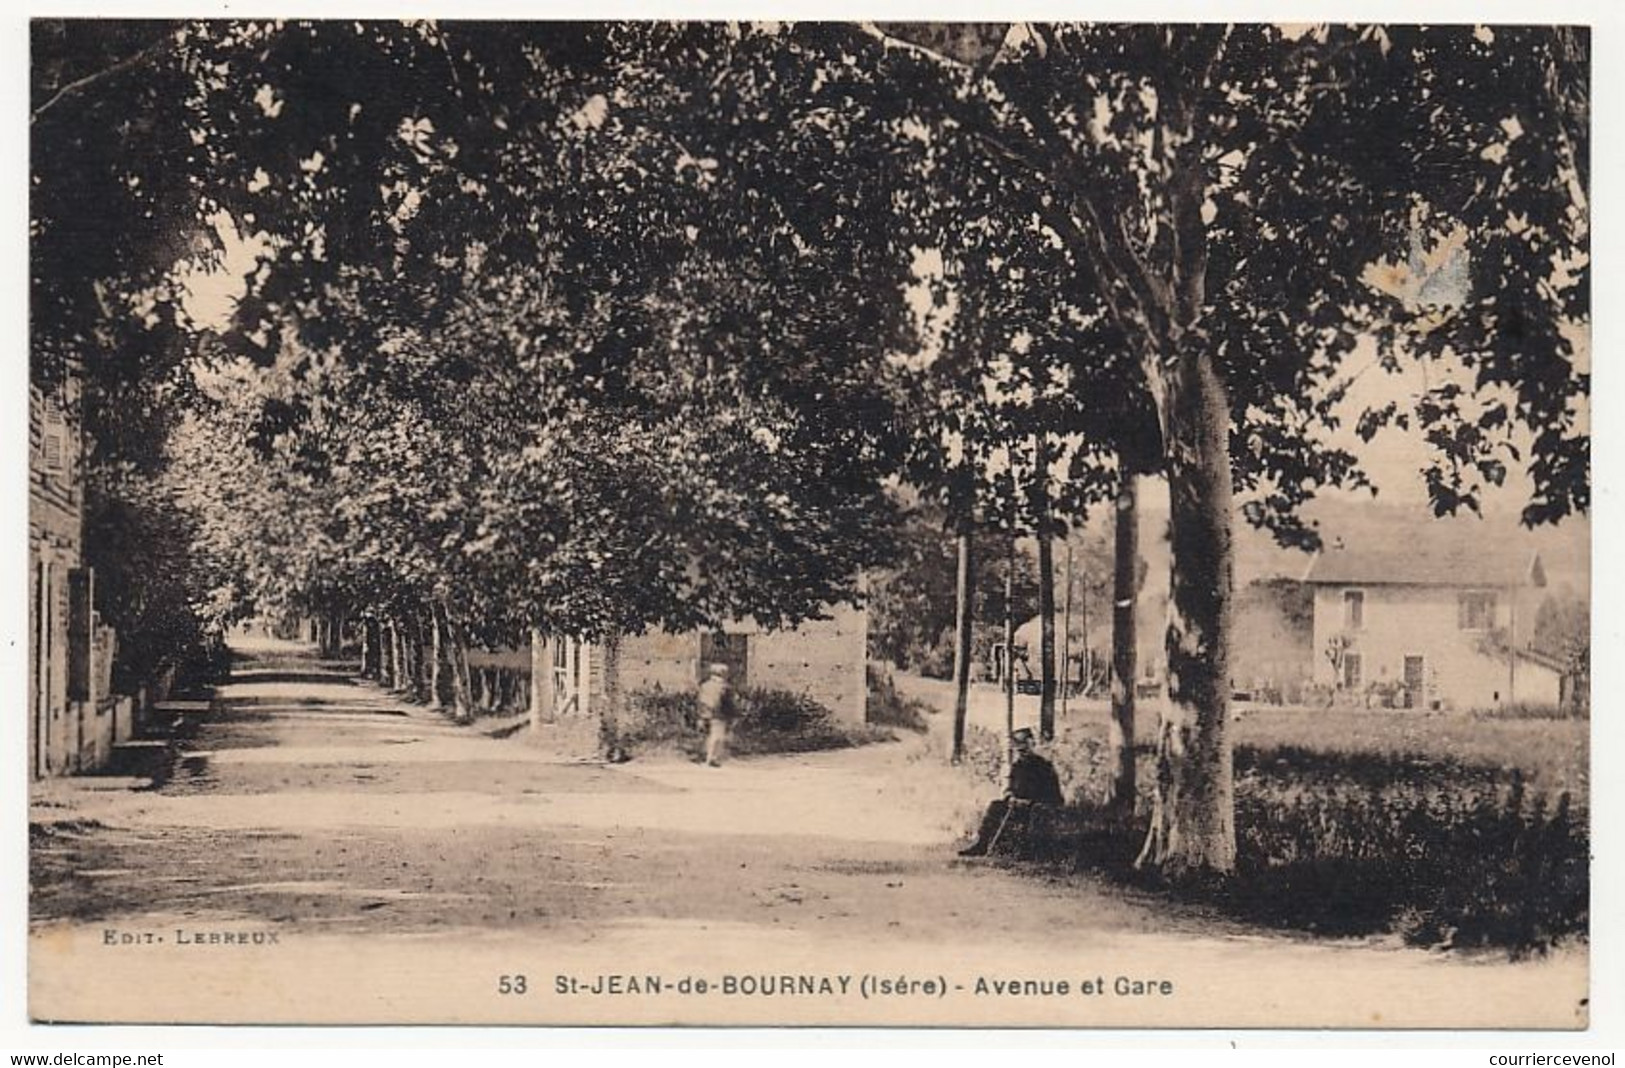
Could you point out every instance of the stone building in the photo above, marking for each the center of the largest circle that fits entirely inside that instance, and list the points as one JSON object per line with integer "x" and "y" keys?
{"x": 823, "y": 659}
{"x": 73, "y": 718}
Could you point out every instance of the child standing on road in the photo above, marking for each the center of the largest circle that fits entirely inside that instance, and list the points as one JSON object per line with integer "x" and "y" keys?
{"x": 717, "y": 706}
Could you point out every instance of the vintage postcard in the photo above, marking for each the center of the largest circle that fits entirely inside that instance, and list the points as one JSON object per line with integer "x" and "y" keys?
{"x": 809, "y": 523}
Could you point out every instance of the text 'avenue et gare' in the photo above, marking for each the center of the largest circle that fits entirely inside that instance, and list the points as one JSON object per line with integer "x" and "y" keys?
{"x": 864, "y": 986}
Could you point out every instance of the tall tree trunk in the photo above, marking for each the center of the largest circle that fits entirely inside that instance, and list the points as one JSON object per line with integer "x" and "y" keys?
{"x": 402, "y": 637}
{"x": 1066, "y": 632}
{"x": 403, "y": 674}
{"x": 609, "y": 717}
{"x": 1193, "y": 814}
{"x": 1046, "y": 638}
{"x": 412, "y": 656}
{"x": 431, "y": 670}
{"x": 1010, "y": 640}
{"x": 1046, "y": 589}
{"x": 462, "y": 670}
{"x": 423, "y": 626}
{"x": 1125, "y": 639}
{"x": 438, "y": 679}
{"x": 1086, "y": 676}
{"x": 333, "y": 635}
{"x": 541, "y": 678}
{"x": 462, "y": 703}
{"x": 397, "y": 657}
{"x": 420, "y": 658}
{"x": 963, "y": 614}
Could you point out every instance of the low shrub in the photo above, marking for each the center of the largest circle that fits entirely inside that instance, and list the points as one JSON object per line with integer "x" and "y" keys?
{"x": 779, "y": 721}
{"x": 936, "y": 661}
{"x": 661, "y": 719}
{"x": 1448, "y": 861}
{"x": 767, "y": 721}
{"x": 986, "y": 755}
{"x": 1439, "y": 852}
{"x": 889, "y": 707}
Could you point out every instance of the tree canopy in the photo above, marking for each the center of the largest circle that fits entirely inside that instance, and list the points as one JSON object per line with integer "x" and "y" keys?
{"x": 588, "y": 328}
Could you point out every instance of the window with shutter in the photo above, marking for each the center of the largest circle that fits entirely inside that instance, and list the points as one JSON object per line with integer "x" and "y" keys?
{"x": 1354, "y": 609}
{"x": 51, "y": 446}
{"x": 1476, "y": 611}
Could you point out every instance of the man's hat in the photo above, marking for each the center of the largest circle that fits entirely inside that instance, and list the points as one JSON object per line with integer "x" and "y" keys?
{"x": 1024, "y": 735}
{"x": 716, "y": 669}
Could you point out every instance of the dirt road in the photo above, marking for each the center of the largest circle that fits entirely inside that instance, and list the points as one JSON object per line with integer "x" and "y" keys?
{"x": 325, "y": 852}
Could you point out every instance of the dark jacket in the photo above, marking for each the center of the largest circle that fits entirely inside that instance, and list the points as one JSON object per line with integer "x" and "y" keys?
{"x": 1032, "y": 778}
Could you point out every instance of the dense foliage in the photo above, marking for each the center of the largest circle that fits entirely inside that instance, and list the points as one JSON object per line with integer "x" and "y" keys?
{"x": 582, "y": 329}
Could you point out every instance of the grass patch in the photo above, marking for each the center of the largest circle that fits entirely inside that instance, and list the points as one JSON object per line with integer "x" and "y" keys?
{"x": 1533, "y": 710}
{"x": 1553, "y": 754}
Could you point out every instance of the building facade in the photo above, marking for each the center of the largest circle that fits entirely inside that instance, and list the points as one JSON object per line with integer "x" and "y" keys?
{"x": 823, "y": 659}
{"x": 1430, "y": 627}
{"x": 73, "y": 718}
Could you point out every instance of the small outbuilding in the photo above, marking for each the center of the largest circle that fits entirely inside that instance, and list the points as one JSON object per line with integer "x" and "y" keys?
{"x": 824, "y": 659}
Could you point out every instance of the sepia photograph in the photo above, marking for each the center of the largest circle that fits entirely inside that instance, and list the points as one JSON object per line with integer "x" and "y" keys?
{"x": 809, "y": 524}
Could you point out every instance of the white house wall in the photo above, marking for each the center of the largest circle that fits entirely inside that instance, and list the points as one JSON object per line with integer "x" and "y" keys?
{"x": 1537, "y": 684}
{"x": 1401, "y": 621}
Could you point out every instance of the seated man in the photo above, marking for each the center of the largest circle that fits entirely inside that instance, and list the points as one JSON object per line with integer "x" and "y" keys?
{"x": 1032, "y": 782}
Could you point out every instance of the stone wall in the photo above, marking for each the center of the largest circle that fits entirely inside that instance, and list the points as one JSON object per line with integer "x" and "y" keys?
{"x": 660, "y": 660}
{"x": 824, "y": 659}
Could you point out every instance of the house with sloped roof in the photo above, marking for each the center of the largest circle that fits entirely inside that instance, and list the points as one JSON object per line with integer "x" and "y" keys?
{"x": 1433, "y": 619}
